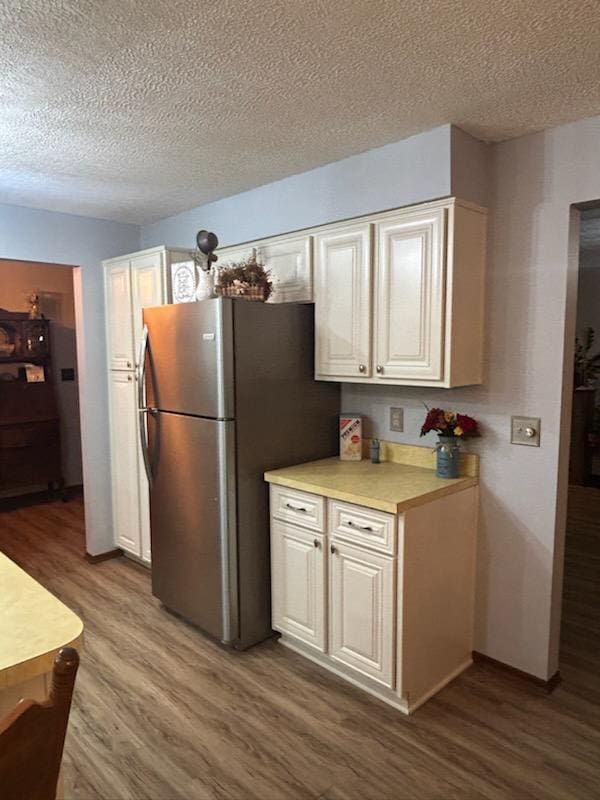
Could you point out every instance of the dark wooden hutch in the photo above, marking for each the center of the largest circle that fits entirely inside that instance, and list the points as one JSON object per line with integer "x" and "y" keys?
{"x": 29, "y": 418}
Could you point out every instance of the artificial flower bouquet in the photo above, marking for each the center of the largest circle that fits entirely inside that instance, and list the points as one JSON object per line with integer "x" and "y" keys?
{"x": 448, "y": 423}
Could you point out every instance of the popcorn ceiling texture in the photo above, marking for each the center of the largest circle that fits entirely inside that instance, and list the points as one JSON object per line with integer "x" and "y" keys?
{"x": 137, "y": 109}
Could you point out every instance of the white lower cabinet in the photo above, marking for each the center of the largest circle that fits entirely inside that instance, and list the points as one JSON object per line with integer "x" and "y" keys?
{"x": 361, "y": 611}
{"x": 383, "y": 600}
{"x": 298, "y": 587}
{"x": 124, "y": 449}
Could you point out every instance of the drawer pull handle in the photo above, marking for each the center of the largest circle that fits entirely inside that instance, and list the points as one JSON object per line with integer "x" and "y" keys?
{"x": 333, "y": 549}
{"x": 316, "y": 543}
{"x": 295, "y": 508}
{"x": 360, "y": 527}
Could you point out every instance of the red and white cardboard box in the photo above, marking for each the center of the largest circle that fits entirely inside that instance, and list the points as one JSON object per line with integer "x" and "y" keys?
{"x": 350, "y": 437}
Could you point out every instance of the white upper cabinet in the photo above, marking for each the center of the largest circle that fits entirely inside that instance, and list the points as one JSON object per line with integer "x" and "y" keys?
{"x": 290, "y": 264}
{"x": 289, "y": 260}
{"x": 343, "y": 302}
{"x": 118, "y": 310}
{"x": 409, "y": 303}
{"x": 148, "y": 288}
{"x": 231, "y": 255}
{"x": 422, "y": 323}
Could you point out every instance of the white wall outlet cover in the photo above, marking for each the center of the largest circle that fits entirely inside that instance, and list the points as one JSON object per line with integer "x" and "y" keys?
{"x": 525, "y": 430}
{"x": 397, "y": 419}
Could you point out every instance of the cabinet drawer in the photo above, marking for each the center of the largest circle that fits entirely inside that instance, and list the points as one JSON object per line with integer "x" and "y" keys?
{"x": 301, "y": 508}
{"x": 363, "y": 526}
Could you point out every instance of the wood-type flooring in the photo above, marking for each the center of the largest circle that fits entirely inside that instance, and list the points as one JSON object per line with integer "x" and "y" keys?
{"x": 162, "y": 713}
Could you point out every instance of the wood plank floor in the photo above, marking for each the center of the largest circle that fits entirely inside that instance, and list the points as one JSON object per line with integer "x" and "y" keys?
{"x": 161, "y": 713}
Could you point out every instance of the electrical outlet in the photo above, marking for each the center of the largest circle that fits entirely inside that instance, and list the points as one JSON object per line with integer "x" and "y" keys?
{"x": 396, "y": 419}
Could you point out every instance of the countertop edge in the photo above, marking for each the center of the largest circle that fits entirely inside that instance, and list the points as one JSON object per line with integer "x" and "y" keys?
{"x": 369, "y": 502}
{"x": 37, "y": 665}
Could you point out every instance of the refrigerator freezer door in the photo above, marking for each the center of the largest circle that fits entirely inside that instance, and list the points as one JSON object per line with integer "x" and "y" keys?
{"x": 190, "y": 358}
{"x": 193, "y": 526}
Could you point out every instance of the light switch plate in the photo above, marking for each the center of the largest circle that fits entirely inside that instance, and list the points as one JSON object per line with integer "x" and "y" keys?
{"x": 397, "y": 419}
{"x": 525, "y": 430}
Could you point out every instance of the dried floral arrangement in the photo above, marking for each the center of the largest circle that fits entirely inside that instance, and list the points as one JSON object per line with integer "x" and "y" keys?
{"x": 448, "y": 423}
{"x": 248, "y": 278}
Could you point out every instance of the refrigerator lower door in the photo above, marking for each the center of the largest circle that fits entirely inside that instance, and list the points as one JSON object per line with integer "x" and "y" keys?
{"x": 193, "y": 526}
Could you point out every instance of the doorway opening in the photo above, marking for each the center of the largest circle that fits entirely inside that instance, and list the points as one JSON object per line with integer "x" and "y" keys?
{"x": 40, "y": 433}
{"x": 580, "y": 626}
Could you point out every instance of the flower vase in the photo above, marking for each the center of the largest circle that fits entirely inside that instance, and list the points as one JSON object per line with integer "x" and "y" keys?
{"x": 448, "y": 457}
{"x": 205, "y": 289}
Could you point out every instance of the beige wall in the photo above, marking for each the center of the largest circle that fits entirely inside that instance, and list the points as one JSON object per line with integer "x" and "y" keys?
{"x": 531, "y": 304}
{"x": 17, "y": 280}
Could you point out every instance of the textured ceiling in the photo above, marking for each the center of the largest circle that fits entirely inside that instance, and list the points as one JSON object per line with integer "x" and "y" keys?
{"x": 137, "y": 109}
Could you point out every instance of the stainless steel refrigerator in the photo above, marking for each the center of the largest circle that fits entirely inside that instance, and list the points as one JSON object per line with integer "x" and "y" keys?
{"x": 226, "y": 392}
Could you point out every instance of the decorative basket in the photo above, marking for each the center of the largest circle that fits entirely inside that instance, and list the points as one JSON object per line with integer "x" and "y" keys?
{"x": 255, "y": 293}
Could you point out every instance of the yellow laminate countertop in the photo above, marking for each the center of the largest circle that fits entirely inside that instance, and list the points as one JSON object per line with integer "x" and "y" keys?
{"x": 34, "y": 625}
{"x": 388, "y": 486}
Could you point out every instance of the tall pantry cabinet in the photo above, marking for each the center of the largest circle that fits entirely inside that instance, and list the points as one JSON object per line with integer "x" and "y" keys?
{"x": 132, "y": 283}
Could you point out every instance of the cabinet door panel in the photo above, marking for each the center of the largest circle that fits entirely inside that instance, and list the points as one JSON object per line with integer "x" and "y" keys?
{"x": 343, "y": 302}
{"x": 118, "y": 316}
{"x": 124, "y": 461}
{"x": 148, "y": 289}
{"x": 231, "y": 255}
{"x": 362, "y": 614}
{"x": 298, "y": 587}
{"x": 410, "y": 297}
{"x": 290, "y": 263}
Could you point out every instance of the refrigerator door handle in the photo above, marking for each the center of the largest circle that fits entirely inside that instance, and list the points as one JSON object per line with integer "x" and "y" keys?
{"x": 142, "y": 368}
{"x": 142, "y": 410}
{"x": 144, "y": 443}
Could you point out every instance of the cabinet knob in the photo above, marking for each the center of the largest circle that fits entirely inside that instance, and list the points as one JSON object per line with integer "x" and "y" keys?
{"x": 379, "y": 368}
{"x": 317, "y": 543}
{"x": 362, "y": 368}
{"x": 129, "y": 364}
{"x": 129, "y": 378}
{"x": 333, "y": 549}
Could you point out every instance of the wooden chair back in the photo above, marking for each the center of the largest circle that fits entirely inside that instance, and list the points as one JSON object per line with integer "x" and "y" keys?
{"x": 32, "y": 737}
